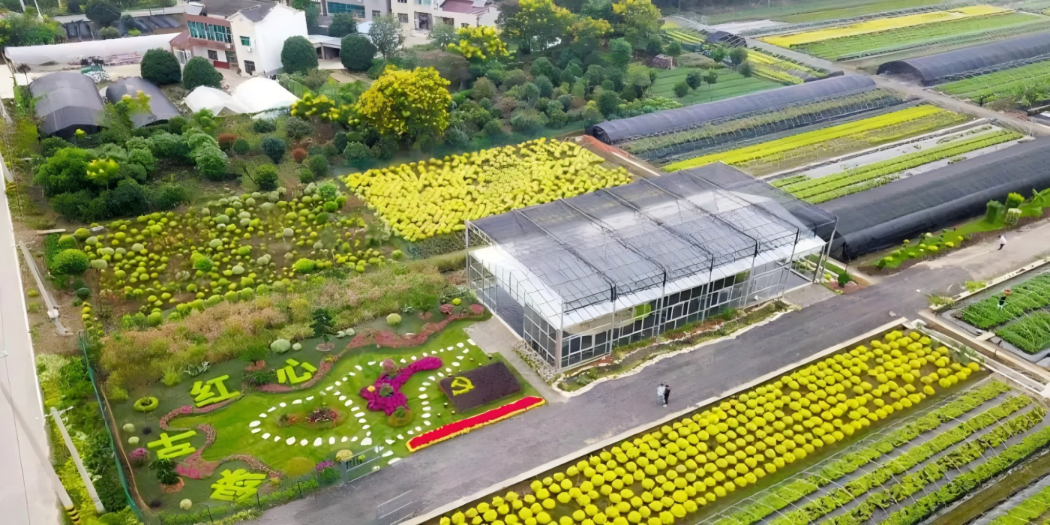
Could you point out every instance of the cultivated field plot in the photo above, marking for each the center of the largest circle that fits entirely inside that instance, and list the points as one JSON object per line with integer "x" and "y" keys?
{"x": 1018, "y": 312}
{"x": 692, "y": 142}
{"x": 912, "y": 34}
{"x": 893, "y": 162}
{"x": 820, "y": 444}
{"x": 729, "y": 84}
{"x": 812, "y": 11}
{"x": 804, "y": 148}
{"x": 764, "y": 65}
{"x": 1010, "y": 83}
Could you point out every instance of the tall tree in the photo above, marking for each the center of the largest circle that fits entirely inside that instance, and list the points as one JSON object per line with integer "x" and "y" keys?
{"x": 539, "y": 23}
{"x": 386, "y": 35}
{"x": 27, "y": 30}
{"x": 479, "y": 44}
{"x": 298, "y": 55}
{"x": 404, "y": 103}
{"x": 102, "y": 12}
{"x": 357, "y": 52}
{"x": 589, "y": 30}
{"x": 444, "y": 34}
{"x": 342, "y": 24}
{"x": 620, "y": 52}
{"x": 639, "y": 20}
{"x": 200, "y": 72}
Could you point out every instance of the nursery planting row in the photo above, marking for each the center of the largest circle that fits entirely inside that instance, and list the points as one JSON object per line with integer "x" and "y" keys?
{"x": 779, "y": 69}
{"x": 1000, "y": 84}
{"x": 1027, "y": 511}
{"x": 1030, "y": 333}
{"x": 879, "y": 25}
{"x": 668, "y": 473}
{"x": 861, "y": 178}
{"x": 812, "y": 10}
{"x": 754, "y": 125}
{"x": 795, "y": 490}
{"x": 1032, "y": 294}
{"x": 427, "y": 198}
{"x": 923, "y": 36}
{"x": 822, "y": 143}
{"x": 686, "y": 37}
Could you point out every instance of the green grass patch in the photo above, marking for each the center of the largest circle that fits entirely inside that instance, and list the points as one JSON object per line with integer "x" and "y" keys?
{"x": 729, "y": 84}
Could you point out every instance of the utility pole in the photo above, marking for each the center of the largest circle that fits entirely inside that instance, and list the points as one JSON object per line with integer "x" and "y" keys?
{"x": 49, "y": 470}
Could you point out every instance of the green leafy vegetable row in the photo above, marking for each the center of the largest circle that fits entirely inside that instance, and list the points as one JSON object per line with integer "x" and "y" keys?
{"x": 1029, "y": 509}
{"x": 966, "y": 483}
{"x": 933, "y": 472}
{"x": 905, "y": 462}
{"x": 1030, "y": 333}
{"x": 1025, "y": 297}
{"x": 793, "y": 491}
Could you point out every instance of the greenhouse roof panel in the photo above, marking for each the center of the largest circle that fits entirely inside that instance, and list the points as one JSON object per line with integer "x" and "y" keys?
{"x": 953, "y": 65}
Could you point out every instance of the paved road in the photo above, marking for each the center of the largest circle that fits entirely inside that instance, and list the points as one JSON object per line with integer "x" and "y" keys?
{"x": 469, "y": 463}
{"x": 26, "y": 496}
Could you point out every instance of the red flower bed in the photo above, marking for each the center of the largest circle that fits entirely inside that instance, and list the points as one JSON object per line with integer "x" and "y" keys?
{"x": 452, "y": 430}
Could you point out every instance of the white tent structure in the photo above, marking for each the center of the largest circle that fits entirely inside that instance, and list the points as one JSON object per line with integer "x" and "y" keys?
{"x": 260, "y": 94}
{"x": 72, "y": 52}
{"x": 216, "y": 100}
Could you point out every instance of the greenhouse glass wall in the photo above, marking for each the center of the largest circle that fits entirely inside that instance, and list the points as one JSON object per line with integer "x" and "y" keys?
{"x": 579, "y": 276}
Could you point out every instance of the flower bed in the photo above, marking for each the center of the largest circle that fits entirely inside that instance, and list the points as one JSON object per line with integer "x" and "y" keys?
{"x": 480, "y": 386}
{"x": 388, "y": 404}
{"x": 463, "y": 426}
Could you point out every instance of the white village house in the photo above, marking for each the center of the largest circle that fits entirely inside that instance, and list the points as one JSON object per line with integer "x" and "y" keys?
{"x": 423, "y": 15}
{"x": 242, "y": 35}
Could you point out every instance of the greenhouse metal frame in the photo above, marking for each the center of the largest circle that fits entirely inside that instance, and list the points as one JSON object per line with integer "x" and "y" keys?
{"x": 972, "y": 61}
{"x": 579, "y": 276}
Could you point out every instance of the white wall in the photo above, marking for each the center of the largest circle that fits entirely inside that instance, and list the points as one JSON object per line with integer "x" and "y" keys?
{"x": 267, "y": 37}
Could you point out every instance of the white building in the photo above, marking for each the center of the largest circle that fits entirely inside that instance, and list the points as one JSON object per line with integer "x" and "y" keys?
{"x": 361, "y": 10}
{"x": 246, "y": 36}
{"x": 422, "y": 15}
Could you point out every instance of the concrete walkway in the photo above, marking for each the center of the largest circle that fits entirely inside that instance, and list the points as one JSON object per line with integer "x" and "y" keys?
{"x": 26, "y": 495}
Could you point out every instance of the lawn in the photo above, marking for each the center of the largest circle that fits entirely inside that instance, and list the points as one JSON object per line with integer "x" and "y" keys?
{"x": 706, "y": 465}
{"x": 800, "y": 149}
{"x": 729, "y": 84}
{"x": 253, "y": 424}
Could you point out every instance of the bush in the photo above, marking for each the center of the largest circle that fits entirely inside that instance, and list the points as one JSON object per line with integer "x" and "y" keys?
{"x": 745, "y": 70}
{"x": 297, "y": 128}
{"x": 357, "y": 154}
{"x": 101, "y": 12}
{"x": 527, "y": 122}
{"x": 318, "y": 165}
{"x": 266, "y": 177}
{"x": 557, "y": 117}
{"x": 591, "y": 115}
{"x": 694, "y": 79}
{"x": 994, "y": 212}
{"x": 298, "y": 55}
{"x": 681, "y": 89}
{"x": 393, "y": 319}
{"x": 299, "y": 155}
{"x": 339, "y": 142}
{"x": 264, "y": 125}
{"x": 342, "y": 24}
{"x": 226, "y": 140}
{"x": 70, "y": 262}
{"x": 514, "y": 77}
{"x": 274, "y": 148}
{"x": 1014, "y": 200}
{"x": 200, "y": 72}
{"x": 240, "y": 146}
{"x": 357, "y": 52}
{"x": 493, "y": 128}
{"x": 483, "y": 88}
{"x": 608, "y": 103}
{"x": 304, "y": 266}
{"x": 160, "y": 67}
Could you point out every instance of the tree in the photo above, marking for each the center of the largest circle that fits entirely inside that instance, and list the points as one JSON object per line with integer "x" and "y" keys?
{"x": 342, "y": 24}
{"x": 674, "y": 49}
{"x": 539, "y": 24}
{"x": 102, "y": 12}
{"x": 70, "y": 262}
{"x": 479, "y": 44}
{"x": 298, "y": 55}
{"x": 745, "y": 69}
{"x": 620, "y": 52}
{"x": 386, "y": 35}
{"x": 406, "y": 103}
{"x": 483, "y": 88}
{"x": 711, "y": 78}
{"x": 266, "y": 177}
{"x": 638, "y": 79}
{"x": 318, "y": 165}
{"x": 311, "y": 10}
{"x": 27, "y": 30}
{"x": 274, "y": 148}
{"x": 64, "y": 172}
{"x": 737, "y": 55}
{"x": 654, "y": 46}
{"x": 357, "y": 52}
{"x": 640, "y": 20}
{"x": 199, "y": 72}
{"x": 717, "y": 53}
{"x": 160, "y": 67}
{"x": 681, "y": 89}
{"x": 543, "y": 66}
{"x": 694, "y": 80}
{"x": 589, "y": 31}
{"x": 444, "y": 34}
{"x": 608, "y": 103}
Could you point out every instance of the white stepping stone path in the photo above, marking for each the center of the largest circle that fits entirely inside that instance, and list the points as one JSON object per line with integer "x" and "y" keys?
{"x": 276, "y": 439}
{"x": 366, "y": 427}
{"x": 266, "y": 435}
{"x": 342, "y": 398}
{"x": 455, "y": 363}
{"x": 353, "y": 439}
{"x": 331, "y": 440}
{"x": 431, "y": 378}
{"x": 329, "y": 388}
{"x": 471, "y": 341}
{"x": 254, "y": 424}
{"x": 256, "y": 430}
{"x": 426, "y": 383}
{"x": 449, "y": 370}
{"x": 362, "y": 420}
{"x": 411, "y": 433}
{"x": 369, "y": 433}
{"x": 304, "y": 442}
{"x": 366, "y": 442}
{"x": 419, "y": 429}
{"x": 283, "y": 404}
{"x": 392, "y": 461}
{"x": 424, "y": 354}
{"x": 426, "y": 409}
{"x": 297, "y": 402}
{"x": 311, "y": 398}
{"x": 422, "y": 389}
{"x": 427, "y": 423}
{"x": 359, "y": 414}
{"x": 426, "y": 415}
{"x": 399, "y": 436}
{"x": 459, "y": 345}
{"x": 272, "y": 409}
{"x": 389, "y": 442}
{"x": 449, "y": 348}
{"x": 403, "y": 360}
{"x": 388, "y": 454}
{"x": 318, "y": 442}
{"x": 338, "y": 383}
{"x": 370, "y": 363}
{"x": 422, "y": 396}
{"x": 348, "y": 403}
{"x": 291, "y": 441}
{"x": 343, "y": 440}
{"x": 358, "y": 367}
{"x": 263, "y": 414}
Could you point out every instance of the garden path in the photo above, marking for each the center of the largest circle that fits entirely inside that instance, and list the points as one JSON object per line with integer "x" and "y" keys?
{"x": 26, "y": 495}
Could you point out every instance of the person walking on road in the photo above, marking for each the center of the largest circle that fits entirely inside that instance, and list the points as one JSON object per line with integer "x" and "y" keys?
{"x": 1002, "y": 240}
{"x": 661, "y": 394}
{"x": 667, "y": 394}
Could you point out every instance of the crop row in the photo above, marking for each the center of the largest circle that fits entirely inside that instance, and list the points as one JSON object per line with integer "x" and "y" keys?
{"x": 1030, "y": 333}
{"x": 816, "y": 190}
{"x": 994, "y": 85}
{"x": 849, "y": 47}
{"x": 787, "y": 144}
{"x": 798, "y": 489}
{"x": 966, "y": 483}
{"x": 765, "y": 123}
{"x": 953, "y": 460}
{"x": 685, "y": 36}
{"x": 1031, "y": 508}
{"x": 1025, "y": 297}
{"x": 879, "y": 25}
{"x": 841, "y": 496}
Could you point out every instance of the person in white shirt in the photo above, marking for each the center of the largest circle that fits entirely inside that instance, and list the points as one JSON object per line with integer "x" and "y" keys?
{"x": 1002, "y": 241}
{"x": 660, "y": 394}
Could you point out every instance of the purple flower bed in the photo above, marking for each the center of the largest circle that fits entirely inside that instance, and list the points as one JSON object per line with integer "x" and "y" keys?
{"x": 389, "y": 404}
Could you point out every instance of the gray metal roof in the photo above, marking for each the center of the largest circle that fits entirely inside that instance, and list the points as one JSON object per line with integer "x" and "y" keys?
{"x": 254, "y": 10}
{"x": 953, "y": 65}
{"x": 161, "y": 109}
{"x": 679, "y": 119}
{"x": 67, "y": 101}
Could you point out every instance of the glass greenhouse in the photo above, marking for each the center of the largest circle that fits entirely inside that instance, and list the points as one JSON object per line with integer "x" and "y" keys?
{"x": 578, "y": 276}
